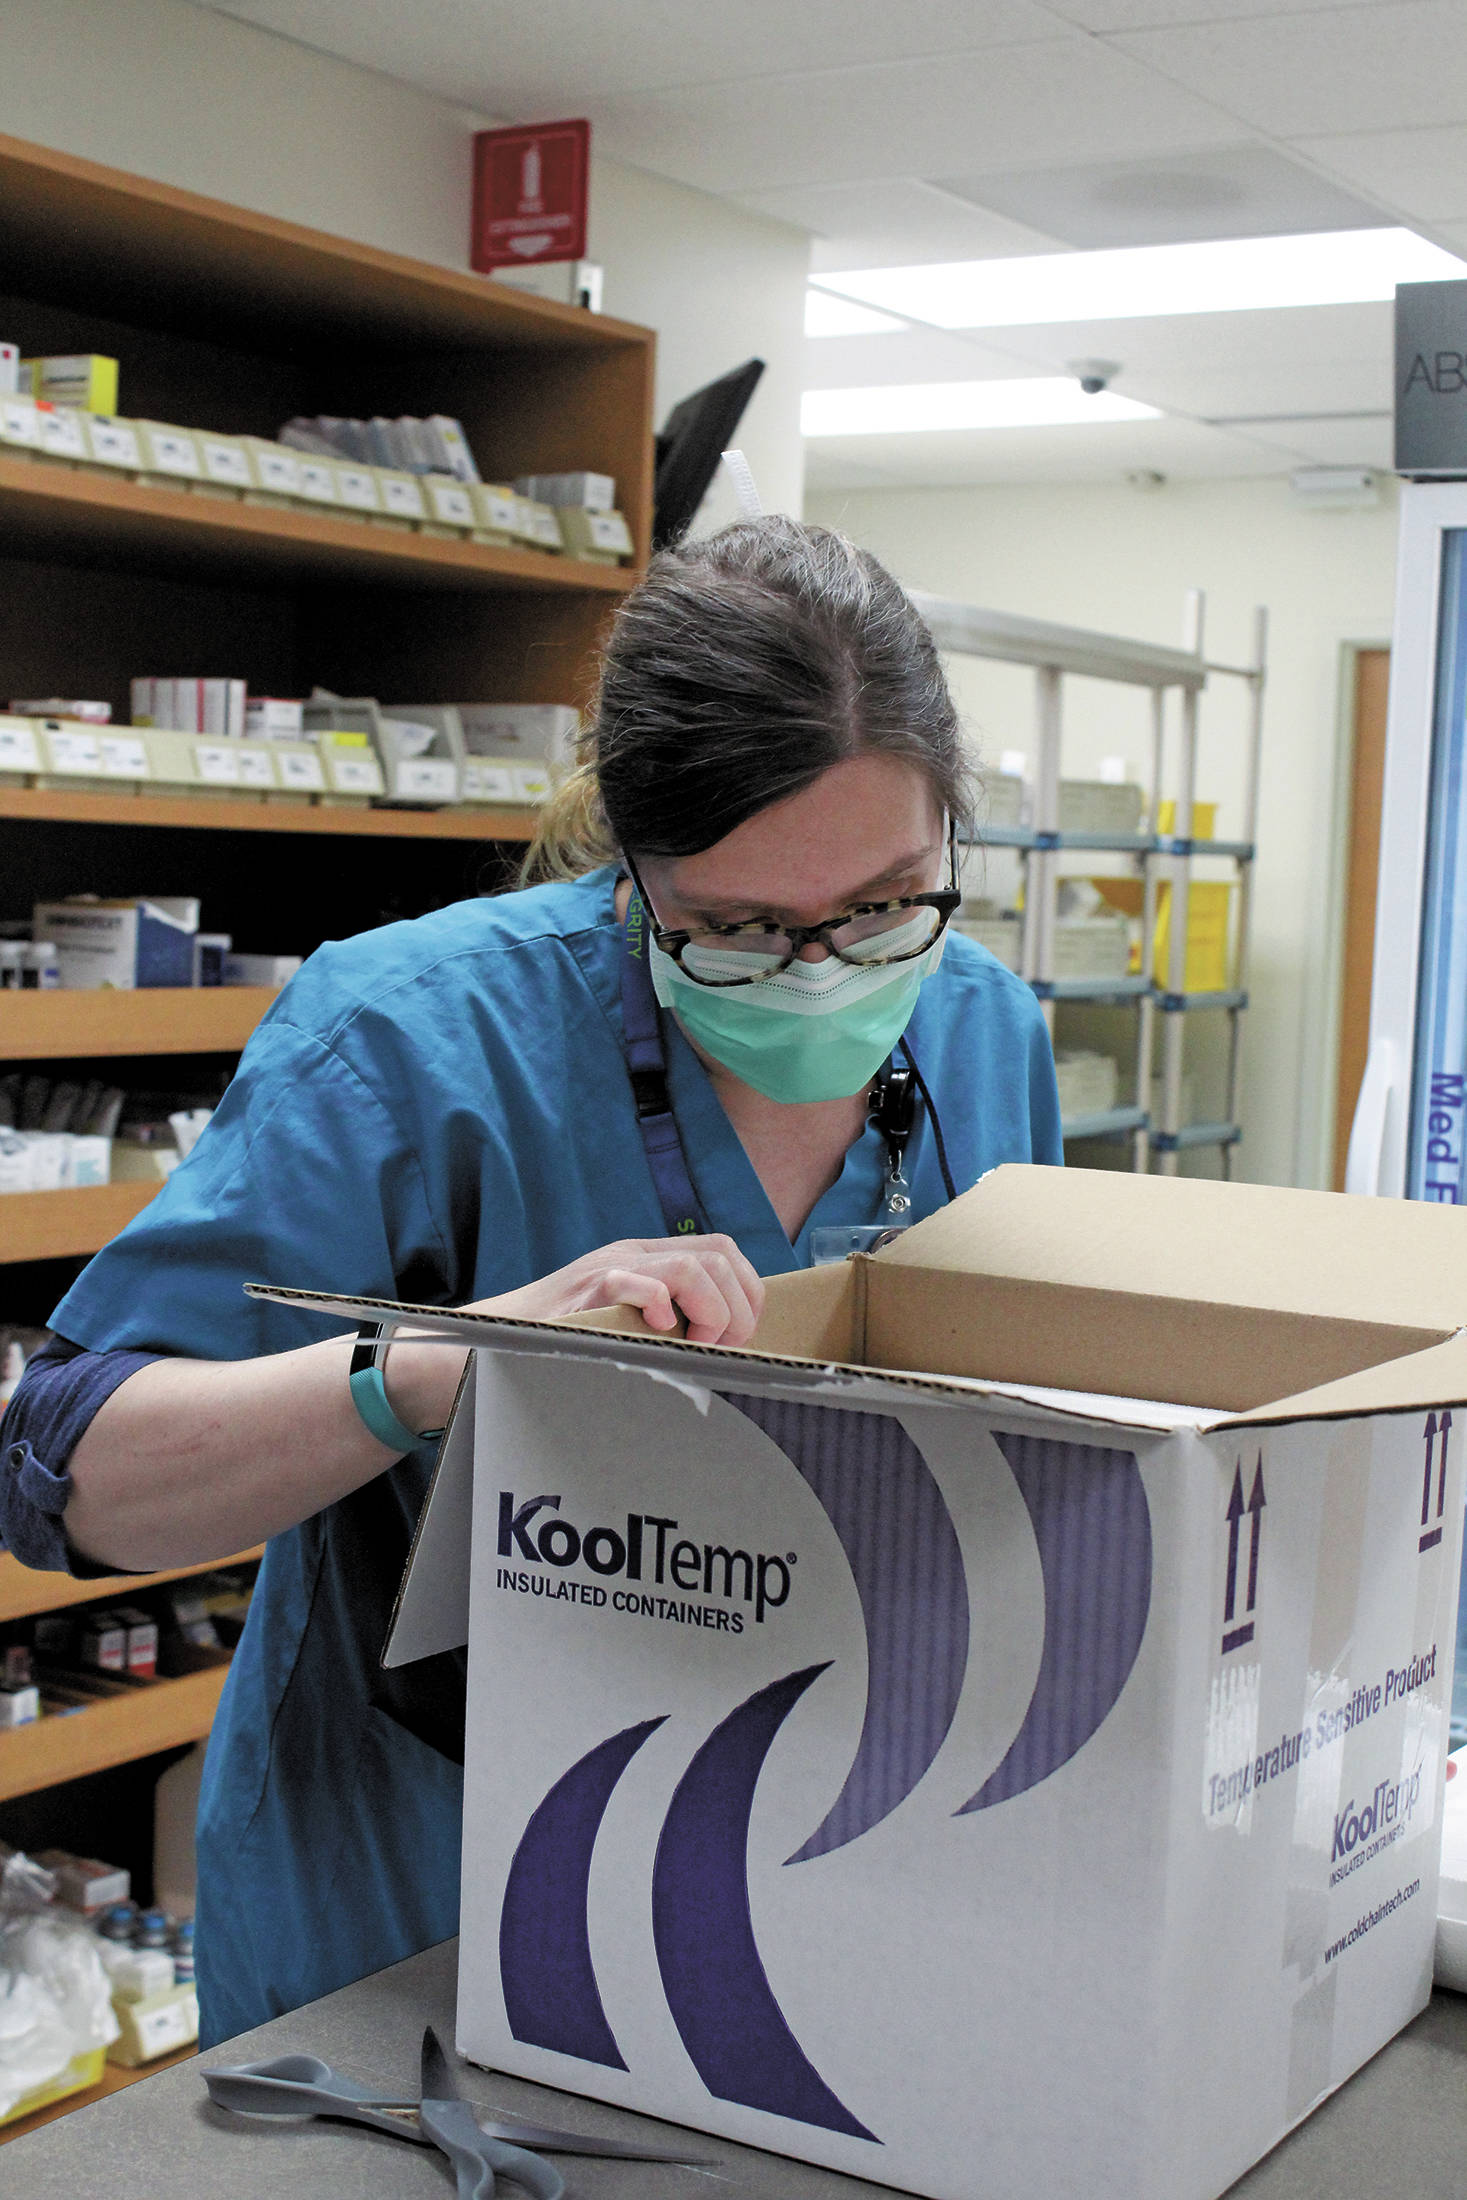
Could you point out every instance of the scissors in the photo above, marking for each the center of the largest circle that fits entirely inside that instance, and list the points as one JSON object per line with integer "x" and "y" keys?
{"x": 303, "y": 2085}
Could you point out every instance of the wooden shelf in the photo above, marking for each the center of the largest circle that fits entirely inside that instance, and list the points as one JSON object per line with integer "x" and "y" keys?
{"x": 25, "y": 1591}
{"x": 61, "y": 1225}
{"x": 164, "y": 1715}
{"x": 37, "y": 1027}
{"x": 95, "y": 518}
{"x": 221, "y": 814}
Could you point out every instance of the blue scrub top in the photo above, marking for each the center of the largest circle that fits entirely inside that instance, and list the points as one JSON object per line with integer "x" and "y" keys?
{"x": 440, "y": 1111}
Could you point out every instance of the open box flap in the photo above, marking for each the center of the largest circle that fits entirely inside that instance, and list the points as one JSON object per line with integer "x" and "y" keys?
{"x": 617, "y": 1335}
{"x": 431, "y": 1612}
{"x": 1392, "y": 1261}
{"x": 1419, "y": 1383}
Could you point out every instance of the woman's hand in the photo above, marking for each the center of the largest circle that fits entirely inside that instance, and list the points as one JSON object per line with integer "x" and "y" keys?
{"x": 706, "y": 1279}
{"x": 191, "y": 1459}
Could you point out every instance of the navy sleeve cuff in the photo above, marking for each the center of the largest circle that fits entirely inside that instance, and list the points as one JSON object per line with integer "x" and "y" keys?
{"x": 61, "y": 1391}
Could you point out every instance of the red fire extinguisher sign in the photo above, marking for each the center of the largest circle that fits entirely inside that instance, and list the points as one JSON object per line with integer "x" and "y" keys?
{"x": 530, "y": 195}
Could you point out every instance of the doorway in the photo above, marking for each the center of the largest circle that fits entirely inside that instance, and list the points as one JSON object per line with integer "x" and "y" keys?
{"x": 1367, "y": 707}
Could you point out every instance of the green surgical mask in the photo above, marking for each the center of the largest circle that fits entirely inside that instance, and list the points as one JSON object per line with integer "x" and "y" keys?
{"x": 816, "y": 1031}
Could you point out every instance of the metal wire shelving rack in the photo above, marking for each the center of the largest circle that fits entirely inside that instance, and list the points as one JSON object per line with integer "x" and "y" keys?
{"x": 1175, "y": 680}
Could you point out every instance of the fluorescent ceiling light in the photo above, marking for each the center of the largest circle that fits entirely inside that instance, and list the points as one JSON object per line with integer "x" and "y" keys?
{"x": 1341, "y": 267}
{"x": 913, "y": 408}
{"x": 827, "y": 316}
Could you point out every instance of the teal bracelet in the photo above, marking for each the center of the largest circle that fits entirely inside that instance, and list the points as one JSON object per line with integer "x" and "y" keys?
{"x": 369, "y": 1396}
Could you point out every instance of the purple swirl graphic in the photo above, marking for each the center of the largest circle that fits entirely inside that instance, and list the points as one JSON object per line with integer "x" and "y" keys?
{"x": 717, "y": 1990}
{"x": 1093, "y": 1529}
{"x": 897, "y": 1533}
{"x": 550, "y": 1991}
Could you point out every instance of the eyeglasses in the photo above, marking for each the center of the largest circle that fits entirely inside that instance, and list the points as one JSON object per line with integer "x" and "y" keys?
{"x": 872, "y": 934}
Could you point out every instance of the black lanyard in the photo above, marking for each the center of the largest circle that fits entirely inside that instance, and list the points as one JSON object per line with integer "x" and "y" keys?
{"x": 647, "y": 1067}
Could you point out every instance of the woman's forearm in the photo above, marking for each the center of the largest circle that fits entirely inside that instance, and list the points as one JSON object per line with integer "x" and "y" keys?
{"x": 189, "y": 1460}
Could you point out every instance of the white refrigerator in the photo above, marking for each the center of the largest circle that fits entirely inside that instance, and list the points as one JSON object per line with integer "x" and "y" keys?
{"x": 1408, "y": 1135}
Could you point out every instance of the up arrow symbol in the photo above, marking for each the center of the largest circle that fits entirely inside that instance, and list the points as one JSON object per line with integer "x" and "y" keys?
{"x": 1234, "y": 1517}
{"x": 1256, "y": 1503}
{"x": 1441, "y": 1486}
{"x": 1426, "y": 1481}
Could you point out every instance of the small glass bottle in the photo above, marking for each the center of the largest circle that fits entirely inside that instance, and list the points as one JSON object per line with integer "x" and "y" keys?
{"x": 40, "y": 969}
{"x": 183, "y": 1952}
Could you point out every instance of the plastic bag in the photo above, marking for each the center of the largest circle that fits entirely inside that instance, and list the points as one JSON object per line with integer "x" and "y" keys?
{"x": 55, "y": 2000}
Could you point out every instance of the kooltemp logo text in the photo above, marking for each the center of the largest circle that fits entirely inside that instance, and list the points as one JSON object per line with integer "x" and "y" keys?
{"x": 1091, "y": 1524}
{"x": 642, "y": 1549}
{"x": 1363, "y": 1829}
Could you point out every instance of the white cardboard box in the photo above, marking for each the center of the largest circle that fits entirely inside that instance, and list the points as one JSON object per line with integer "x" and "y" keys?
{"x": 124, "y": 944}
{"x": 984, "y": 1789}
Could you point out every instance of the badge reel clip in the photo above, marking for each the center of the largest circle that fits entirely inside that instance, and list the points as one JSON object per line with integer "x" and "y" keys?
{"x": 893, "y": 1110}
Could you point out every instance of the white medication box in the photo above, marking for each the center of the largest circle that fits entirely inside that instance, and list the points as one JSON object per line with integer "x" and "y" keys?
{"x": 989, "y": 1736}
{"x": 120, "y": 943}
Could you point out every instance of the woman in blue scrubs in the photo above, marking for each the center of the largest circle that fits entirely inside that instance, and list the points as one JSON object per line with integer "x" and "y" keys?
{"x": 581, "y": 1094}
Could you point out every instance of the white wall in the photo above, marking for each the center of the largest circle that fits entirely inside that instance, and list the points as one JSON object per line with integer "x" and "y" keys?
{"x": 191, "y": 98}
{"x": 1119, "y": 560}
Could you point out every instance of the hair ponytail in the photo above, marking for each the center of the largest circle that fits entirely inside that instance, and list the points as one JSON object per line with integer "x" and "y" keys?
{"x": 571, "y": 832}
{"x": 738, "y": 671}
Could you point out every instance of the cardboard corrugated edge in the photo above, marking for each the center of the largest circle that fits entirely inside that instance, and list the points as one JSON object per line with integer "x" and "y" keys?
{"x": 609, "y": 1335}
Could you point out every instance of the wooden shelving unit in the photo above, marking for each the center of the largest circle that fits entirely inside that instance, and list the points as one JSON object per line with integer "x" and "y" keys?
{"x": 23, "y": 1591}
{"x": 38, "y": 1027}
{"x": 52, "y": 511}
{"x": 66, "y": 1225}
{"x": 231, "y": 814}
{"x": 161, "y": 1715}
{"x": 230, "y": 320}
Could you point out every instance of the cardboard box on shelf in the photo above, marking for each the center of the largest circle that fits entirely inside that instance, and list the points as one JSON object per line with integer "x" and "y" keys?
{"x": 120, "y": 943}
{"x": 61, "y": 435}
{"x": 600, "y": 538}
{"x": 81, "y": 380}
{"x": 20, "y": 425}
{"x": 112, "y": 442}
{"x": 1088, "y": 1082}
{"x": 1101, "y": 806}
{"x": 273, "y": 718}
{"x": 20, "y": 751}
{"x": 225, "y": 466}
{"x": 170, "y": 455}
{"x": 403, "y": 502}
{"x": 1016, "y": 1685}
{"x": 570, "y": 492}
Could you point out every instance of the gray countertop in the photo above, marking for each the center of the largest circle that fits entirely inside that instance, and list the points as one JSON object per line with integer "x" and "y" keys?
{"x": 1397, "y": 2131}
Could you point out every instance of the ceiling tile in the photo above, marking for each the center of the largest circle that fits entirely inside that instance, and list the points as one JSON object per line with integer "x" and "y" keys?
{"x": 1323, "y": 72}
{"x": 1129, "y": 15}
{"x": 1421, "y": 174}
{"x": 563, "y": 55}
{"x": 918, "y": 355}
{"x": 894, "y": 222}
{"x": 1229, "y": 191}
{"x": 1364, "y": 439}
{"x": 1180, "y": 449}
{"x": 1063, "y": 99}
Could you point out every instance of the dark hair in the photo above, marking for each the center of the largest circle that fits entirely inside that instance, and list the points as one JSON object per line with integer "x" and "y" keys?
{"x": 739, "y": 670}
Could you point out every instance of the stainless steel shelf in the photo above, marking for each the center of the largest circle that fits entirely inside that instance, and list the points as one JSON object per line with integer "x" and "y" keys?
{"x": 1104, "y": 1123}
{"x": 1183, "y": 1004}
{"x": 1090, "y": 989}
{"x": 1197, "y": 1134}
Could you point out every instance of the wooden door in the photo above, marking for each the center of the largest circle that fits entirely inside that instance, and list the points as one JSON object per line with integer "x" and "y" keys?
{"x": 1367, "y": 771}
